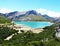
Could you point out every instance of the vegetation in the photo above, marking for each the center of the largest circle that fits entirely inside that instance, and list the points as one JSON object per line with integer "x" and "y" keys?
{"x": 45, "y": 38}
{"x": 4, "y": 20}
{"x": 5, "y": 32}
{"x": 32, "y": 18}
{"x": 28, "y": 39}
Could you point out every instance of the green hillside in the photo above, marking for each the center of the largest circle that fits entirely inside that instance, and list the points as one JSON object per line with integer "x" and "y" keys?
{"x": 45, "y": 38}
{"x": 4, "y": 20}
{"x": 32, "y": 18}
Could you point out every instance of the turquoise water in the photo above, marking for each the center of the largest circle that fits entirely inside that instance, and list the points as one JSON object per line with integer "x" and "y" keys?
{"x": 33, "y": 24}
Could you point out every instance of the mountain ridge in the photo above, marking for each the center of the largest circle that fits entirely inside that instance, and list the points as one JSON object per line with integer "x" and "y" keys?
{"x": 27, "y": 15}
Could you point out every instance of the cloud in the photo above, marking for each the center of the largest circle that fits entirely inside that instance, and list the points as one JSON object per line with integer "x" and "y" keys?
{"x": 48, "y": 12}
{"x": 4, "y": 10}
{"x": 41, "y": 10}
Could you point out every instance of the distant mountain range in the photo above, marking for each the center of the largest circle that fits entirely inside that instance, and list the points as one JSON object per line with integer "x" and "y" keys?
{"x": 31, "y": 15}
{"x": 57, "y": 20}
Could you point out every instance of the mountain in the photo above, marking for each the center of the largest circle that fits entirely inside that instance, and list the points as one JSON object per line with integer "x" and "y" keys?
{"x": 13, "y": 15}
{"x": 30, "y": 15}
{"x": 57, "y": 20}
{"x": 31, "y": 12}
{"x": 48, "y": 17}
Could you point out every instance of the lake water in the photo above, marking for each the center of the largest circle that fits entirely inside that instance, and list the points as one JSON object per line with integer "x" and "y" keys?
{"x": 33, "y": 24}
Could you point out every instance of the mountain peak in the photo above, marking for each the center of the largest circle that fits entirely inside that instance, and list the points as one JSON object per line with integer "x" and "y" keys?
{"x": 31, "y": 12}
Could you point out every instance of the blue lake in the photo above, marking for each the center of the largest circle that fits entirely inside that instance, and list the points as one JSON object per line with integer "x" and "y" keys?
{"x": 33, "y": 24}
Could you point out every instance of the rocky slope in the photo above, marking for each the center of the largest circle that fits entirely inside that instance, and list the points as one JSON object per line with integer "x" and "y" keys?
{"x": 31, "y": 15}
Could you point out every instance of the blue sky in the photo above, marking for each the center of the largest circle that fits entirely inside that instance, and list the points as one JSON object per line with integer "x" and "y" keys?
{"x": 22, "y": 5}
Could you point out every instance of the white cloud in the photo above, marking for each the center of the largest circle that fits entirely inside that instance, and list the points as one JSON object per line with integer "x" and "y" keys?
{"x": 41, "y": 10}
{"x": 4, "y": 10}
{"x": 48, "y": 12}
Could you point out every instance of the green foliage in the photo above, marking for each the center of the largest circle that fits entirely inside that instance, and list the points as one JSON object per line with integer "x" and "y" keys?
{"x": 32, "y": 39}
{"x": 44, "y": 38}
{"x": 52, "y": 42}
{"x": 5, "y": 32}
{"x": 4, "y": 20}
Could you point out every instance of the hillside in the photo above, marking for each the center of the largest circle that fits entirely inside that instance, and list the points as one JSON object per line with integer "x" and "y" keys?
{"x": 48, "y": 17}
{"x": 4, "y": 20}
{"x": 33, "y": 18}
{"x": 31, "y": 15}
{"x": 45, "y": 38}
{"x": 57, "y": 20}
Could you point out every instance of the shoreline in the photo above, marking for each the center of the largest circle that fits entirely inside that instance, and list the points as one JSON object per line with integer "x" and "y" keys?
{"x": 20, "y": 27}
{"x": 25, "y": 28}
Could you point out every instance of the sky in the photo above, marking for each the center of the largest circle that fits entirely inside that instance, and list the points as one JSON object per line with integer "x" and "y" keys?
{"x": 49, "y": 7}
